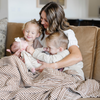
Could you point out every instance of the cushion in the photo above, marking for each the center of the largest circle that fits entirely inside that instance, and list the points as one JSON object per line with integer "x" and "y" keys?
{"x": 86, "y": 36}
{"x": 13, "y": 30}
{"x": 3, "y": 32}
{"x": 96, "y": 73}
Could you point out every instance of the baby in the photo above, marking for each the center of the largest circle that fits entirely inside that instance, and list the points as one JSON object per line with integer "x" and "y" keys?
{"x": 18, "y": 44}
{"x": 21, "y": 45}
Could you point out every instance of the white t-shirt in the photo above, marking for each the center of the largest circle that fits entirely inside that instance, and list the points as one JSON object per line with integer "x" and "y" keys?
{"x": 69, "y": 33}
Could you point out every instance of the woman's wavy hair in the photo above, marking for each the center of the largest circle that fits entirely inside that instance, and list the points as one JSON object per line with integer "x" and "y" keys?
{"x": 55, "y": 17}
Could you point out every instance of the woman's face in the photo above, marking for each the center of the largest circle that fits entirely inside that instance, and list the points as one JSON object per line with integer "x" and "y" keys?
{"x": 44, "y": 20}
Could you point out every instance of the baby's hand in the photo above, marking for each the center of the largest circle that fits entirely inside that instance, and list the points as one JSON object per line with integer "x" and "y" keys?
{"x": 8, "y": 50}
{"x": 30, "y": 49}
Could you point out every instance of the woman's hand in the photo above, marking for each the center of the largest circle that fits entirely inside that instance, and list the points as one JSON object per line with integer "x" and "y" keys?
{"x": 30, "y": 49}
{"x": 45, "y": 65}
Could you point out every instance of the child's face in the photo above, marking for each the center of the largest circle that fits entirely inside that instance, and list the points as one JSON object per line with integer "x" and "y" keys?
{"x": 31, "y": 31}
{"x": 51, "y": 48}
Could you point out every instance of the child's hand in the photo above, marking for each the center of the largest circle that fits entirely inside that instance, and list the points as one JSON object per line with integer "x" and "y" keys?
{"x": 22, "y": 59}
{"x": 18, "y": 53}
{"x": 30, "y": 49}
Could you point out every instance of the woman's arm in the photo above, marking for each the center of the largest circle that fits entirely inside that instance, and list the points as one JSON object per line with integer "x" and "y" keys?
{"x": 73, "y": 58}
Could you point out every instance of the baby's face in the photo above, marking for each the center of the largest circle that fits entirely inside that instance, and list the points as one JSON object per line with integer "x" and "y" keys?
{"x": 18, "y": 45}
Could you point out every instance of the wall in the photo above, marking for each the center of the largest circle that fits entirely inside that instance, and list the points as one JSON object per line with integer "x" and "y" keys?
{"x": 94, "y": 8}
{"x": 3, "y": 9}
{"x": 77, "y": 9}
{"x": 24, "y": 10}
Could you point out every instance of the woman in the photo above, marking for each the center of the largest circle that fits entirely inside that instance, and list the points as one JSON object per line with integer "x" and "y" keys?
{"x": 52, "y": 17}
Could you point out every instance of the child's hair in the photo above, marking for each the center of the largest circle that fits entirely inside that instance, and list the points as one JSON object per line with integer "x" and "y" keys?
{"x": 33, "y": 22}
{"x": 59, "y": 39}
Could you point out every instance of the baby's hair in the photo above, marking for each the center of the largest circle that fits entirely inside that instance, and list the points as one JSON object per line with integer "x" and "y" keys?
{"x": 59, "y": 39}
{"x": 11, "y": 46}
{"x": 33, "y": 22}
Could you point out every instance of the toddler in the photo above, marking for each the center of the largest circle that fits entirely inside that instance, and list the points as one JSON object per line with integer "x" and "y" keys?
{"x": 31, "y": 30}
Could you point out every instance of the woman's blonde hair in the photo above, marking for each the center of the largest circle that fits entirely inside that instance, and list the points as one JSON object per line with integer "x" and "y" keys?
{"x": 55, "y": 17}
{"x": 33, "y": 22}
{"x": 59, "y": 39}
